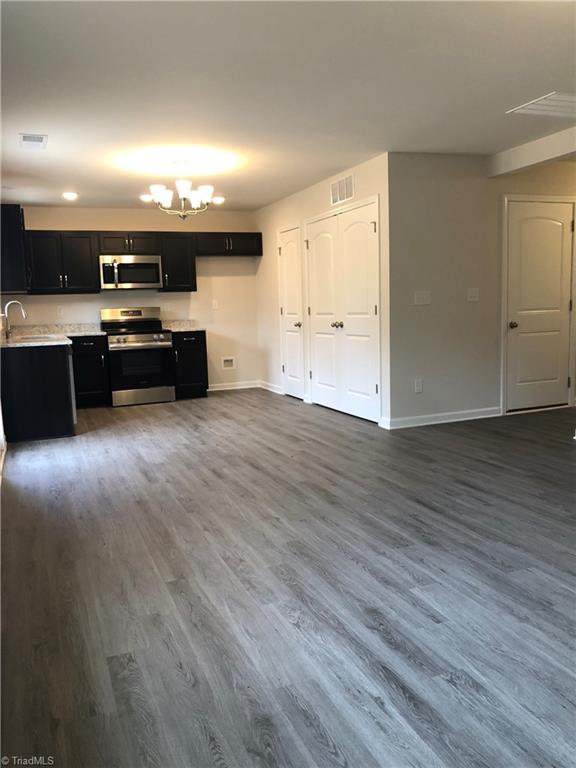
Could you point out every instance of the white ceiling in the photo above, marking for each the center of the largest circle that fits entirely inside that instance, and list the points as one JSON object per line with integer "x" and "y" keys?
{"x": 301, "y": 89}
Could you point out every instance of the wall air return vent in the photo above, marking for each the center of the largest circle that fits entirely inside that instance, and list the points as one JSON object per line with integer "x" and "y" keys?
{"x": 341, "y": 190}
{"x": 553, "y": 104}
{"x": 228, "y": 362}
{"x": 33, "y": 140}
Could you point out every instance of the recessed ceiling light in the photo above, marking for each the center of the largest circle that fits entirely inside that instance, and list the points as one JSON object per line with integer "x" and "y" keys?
{"x": 146, "y": 198}
{"x": 70, "y": 195}
{"x": 178, "y": 161}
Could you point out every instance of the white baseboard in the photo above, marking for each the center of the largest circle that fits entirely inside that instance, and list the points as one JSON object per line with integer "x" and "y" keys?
{"x": 439, "y": 418}
{"x": 276, "y": 388}
{"x": 234, "y": 385}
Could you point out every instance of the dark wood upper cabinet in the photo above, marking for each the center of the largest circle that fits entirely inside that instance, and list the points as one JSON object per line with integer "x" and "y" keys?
{"x": 229, "y": 244}
{"x": 63, "y": 262}
{"x": 13, "y": 272}
{"x": 80, "y": 262}
{"x": 45, "y": 254}
{"x": 178, "y": 262}
{"x": 129, "y": 242}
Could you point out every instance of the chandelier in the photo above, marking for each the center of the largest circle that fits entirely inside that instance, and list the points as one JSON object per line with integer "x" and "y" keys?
{"x": 191, "y": 201}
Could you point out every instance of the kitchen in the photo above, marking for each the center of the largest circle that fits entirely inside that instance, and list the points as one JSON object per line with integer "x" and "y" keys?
{"x": 73, "y": 266}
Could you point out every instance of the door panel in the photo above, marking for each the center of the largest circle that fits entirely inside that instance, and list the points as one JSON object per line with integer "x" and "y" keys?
{"x": 178, "y": 263}
{"x": 290, "y": 262}
{"x": 359, "y": 270}
{"x": 323, "y": 284}
{"x": 539, "y": 259}
{"x": 45, "y": 251}
{"x": 79, "y": 263}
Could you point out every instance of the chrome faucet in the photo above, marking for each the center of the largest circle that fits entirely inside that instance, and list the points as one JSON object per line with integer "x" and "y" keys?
{"x": 6, "y": 308}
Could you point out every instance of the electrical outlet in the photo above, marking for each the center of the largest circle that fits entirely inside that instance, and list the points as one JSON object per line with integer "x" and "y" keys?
{"x": 422, "y": 297}
{"x": 473, "y": 294}
{"x": 418, "y": 386}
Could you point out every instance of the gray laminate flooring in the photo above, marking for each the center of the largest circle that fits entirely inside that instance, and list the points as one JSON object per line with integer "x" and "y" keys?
{"x": 250, "y": 582}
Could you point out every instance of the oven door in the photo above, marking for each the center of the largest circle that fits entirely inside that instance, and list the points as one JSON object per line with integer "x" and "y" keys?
{"x": 142, "y": 375}
{"x": 126, "y": 272}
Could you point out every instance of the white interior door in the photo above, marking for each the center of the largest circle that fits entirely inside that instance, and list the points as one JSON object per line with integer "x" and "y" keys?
{"x": 291, "y": 309}
{"x": 359, "y": 282}
{"x": 323, "y": 281}
{"x": 539, "y": 276}
{"x": 344, "y": 287}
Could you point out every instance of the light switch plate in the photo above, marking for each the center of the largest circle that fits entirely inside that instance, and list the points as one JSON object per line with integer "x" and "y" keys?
{"x": 473, "y": 294}
{"x": 418, "y": 386}
{"x": 422, "y": 297}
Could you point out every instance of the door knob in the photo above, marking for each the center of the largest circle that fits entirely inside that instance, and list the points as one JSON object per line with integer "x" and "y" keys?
{"x": 513, "y": 324}
{"x": 298, "y": 324}
{"x": 340, "y": 324}
{"x": 333, "y": 325}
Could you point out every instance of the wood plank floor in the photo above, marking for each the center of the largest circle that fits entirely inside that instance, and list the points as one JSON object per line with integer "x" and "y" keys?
{"x": 250, "y": 582}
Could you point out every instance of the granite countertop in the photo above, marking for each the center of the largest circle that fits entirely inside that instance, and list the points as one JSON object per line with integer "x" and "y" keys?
{"x": 180, "y": 325}
{"x": 60, "y": 329}
{"x": 33, "y": 340}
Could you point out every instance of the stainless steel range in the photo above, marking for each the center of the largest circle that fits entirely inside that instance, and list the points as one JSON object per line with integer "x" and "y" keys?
{"x": 141, "y": 356}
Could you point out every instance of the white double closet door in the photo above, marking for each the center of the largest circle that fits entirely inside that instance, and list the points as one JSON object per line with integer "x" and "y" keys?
{"x": 344, "y": 289}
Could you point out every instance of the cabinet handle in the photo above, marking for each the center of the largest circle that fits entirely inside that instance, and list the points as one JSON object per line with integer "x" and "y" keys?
{"x": 166, "y": 279}
{"x": 87, "y": 343}
{"x": 176, "y": 355}
{"x": 61, "y": 282}
{"x": 231, "y": 243}
{"x": 65, "y": 281}
{"x": 225, "y": 243}
{"x": 103, "y": 361}
{"x": 189, "y": 338}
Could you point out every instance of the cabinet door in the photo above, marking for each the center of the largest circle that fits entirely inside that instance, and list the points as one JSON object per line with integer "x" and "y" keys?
{"x": 79, "y": 263}
{"x": 144, "y": 242}
{"x": 45, "y": 253}
{"x": 245, "y": 244}
{"x": 114, "y": 242}
{"x": 91, "y": 375}
{"x": 13, "y": 263}
{"x": 178, "y": 263}
{"x": 191, "y": 364}
{"x": 212, "y": 244}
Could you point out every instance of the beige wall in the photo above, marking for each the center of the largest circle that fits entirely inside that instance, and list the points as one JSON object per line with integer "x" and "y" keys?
{"x": 370, "y": 178}
{"x": 446, "y": 236}
{"x": 225, "y": 303}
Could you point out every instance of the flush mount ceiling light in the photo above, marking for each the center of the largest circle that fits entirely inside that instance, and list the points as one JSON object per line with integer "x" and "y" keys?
{"x": 70, "y": 195}
{"x": 191, "y": 201}
{"x": 553, "y": 104}
{"x": 176, "y": 161}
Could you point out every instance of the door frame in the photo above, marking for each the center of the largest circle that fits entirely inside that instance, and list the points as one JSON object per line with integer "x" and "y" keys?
{"x": 279, "y": 233}
{"x": 504, "y": 302}
{"x": 306, "y": 295}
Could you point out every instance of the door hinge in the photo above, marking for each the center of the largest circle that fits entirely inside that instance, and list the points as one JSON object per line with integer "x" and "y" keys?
{"x": 308, "y": 310}
{"x": 375, "y": 309}
{"x": 374, "y": 225}
{"x": 570, "y": 305}
{"x": 376, "y": 388}
{"x": 281, "y": 310}
{"x": 310, "y": 372}
{"x": 282, "y": 369}
{"x": 279, "y": 251}
{"x": 572, "y": 227}
{"x": 569, "y": 382}
{"x": 307, "y": 244}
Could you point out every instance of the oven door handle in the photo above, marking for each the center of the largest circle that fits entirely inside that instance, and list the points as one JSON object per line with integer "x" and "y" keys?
{"x": 130, "y": 347}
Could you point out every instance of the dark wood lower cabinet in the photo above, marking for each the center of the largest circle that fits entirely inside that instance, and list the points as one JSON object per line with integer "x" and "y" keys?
{"x": 191, "y": 364}
{"x": 91, "y": 371}
{"x": 37, "y": 393}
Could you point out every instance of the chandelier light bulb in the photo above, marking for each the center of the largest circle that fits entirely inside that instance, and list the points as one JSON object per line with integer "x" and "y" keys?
{"x": 146, "y": 198}
{"x": 206, "y": 191}
{"x": 183, "y": 187}
{"x": 218, "y": 200}
{"x": 167, "y": 196}
{"x": 195, "y": 198}
{"x": 157, "y": 191}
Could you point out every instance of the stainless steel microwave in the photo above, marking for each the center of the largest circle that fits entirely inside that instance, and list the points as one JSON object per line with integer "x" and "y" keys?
{"x": 126, "y": 271}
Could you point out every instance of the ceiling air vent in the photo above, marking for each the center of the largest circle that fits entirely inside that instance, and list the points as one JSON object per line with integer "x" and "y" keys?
{"x": 553, "y": 104}
{"x": 33, "y": 140}
{"x": 342, "y": 189}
